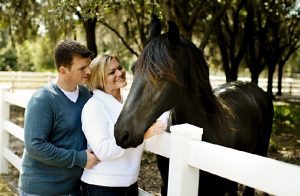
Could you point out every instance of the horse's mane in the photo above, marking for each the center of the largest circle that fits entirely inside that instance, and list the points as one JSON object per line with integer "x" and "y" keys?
{"x": 156, "y": 63}
{"x": 216, "y": 109}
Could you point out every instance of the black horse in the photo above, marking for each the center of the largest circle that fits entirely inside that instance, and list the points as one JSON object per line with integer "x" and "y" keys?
{"x": 172, "y": 74}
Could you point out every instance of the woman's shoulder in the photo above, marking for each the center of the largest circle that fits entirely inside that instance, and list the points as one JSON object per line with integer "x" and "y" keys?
{"x": 94, "y": 102}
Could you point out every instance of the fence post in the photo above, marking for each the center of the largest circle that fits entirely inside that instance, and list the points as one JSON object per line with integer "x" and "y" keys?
{"x": 186, "y": 178}
{"x": 4, "y": 136}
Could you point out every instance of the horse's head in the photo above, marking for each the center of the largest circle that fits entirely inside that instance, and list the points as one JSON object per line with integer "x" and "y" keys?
{"x": 157, "y": 86}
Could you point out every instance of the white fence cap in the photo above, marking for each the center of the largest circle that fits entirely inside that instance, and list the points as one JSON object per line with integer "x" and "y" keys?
{"x": 187, "y": 130}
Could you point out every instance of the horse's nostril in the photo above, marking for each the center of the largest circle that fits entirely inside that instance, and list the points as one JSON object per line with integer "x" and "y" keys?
{"x": 123, "y": 139}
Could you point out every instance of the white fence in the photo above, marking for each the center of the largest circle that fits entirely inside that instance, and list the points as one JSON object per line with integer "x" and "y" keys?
{"x": 290, "y": 86}
{"x": 187, "y": 154}
{"x": 33, "y": 80}
{"x": 25, "y": 80}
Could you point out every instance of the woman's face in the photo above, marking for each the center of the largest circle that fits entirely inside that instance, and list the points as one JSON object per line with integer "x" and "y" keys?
{"x": 116, "y": 77}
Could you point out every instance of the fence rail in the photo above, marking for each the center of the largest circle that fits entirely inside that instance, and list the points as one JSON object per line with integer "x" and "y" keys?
{"x": 187, "y": 154}
{"x": 33, "y": 80}
{"x": 25, "y": 80}
{"x": 290, "y": 86}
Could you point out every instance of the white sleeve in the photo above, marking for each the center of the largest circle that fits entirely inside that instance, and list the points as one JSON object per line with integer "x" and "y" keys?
{"x": 96, "y": 128}
{"x": 164, "y": 118}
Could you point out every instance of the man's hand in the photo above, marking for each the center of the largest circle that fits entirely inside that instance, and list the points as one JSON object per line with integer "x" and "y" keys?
{"x": 92, "y": 160}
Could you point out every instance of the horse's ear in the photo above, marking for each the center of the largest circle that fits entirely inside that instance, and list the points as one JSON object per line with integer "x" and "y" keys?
{"x": 155, "y": 27}
{"x": 173, "y": 32}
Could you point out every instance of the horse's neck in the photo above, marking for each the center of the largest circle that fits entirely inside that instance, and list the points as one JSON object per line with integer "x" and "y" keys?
{"x": 190, "y": 110}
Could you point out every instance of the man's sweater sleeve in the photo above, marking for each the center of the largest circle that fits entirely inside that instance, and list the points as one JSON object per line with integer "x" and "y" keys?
{"x": 38, "y": 122}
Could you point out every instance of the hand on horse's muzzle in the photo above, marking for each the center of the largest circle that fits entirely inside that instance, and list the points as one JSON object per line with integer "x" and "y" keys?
{"x": 157, "y": 128}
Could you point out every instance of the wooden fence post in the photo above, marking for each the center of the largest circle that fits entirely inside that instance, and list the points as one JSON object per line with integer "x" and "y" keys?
{"x": 183, "y": 179}
{"x": 4, "y": 136}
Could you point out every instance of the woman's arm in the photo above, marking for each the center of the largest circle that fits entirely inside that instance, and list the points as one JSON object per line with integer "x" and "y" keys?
{"x": 98, "y": 131}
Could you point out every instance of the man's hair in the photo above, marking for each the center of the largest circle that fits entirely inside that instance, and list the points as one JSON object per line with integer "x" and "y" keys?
{"x": 66, "y": 50}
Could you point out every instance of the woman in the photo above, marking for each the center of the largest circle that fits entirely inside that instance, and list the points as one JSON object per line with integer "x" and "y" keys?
{"x": 117, "y": 172}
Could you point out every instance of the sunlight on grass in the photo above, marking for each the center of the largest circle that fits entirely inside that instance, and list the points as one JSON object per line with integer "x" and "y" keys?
{"x": 286, "y": 117}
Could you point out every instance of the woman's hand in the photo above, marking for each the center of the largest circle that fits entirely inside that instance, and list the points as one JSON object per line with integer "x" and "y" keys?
{"x": 157, "y": 128}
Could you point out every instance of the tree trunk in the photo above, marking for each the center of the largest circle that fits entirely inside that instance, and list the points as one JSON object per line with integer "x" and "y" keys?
{"x": 271, "y": 70}
{"x": 254, "y": 76}
{"x": 223, "y": 51}
{"x": 90, "y": 32}
{"x": 279, "y": 85}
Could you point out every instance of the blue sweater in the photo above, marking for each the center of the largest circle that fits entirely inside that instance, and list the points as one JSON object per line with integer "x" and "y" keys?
{"x": 54, "y": 155}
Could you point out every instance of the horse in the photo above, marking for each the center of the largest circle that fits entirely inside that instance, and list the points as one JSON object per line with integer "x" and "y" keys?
{"x": 172, "y": 74}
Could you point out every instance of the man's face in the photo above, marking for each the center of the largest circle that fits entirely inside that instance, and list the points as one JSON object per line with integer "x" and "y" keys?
{"x": 80, "y": 71}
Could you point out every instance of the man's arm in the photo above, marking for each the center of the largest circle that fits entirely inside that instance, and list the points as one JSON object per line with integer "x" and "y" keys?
{"x": 38, "y": 124}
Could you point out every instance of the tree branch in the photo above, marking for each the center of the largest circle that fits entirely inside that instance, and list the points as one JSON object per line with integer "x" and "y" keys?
{"x": 119, "y": 36}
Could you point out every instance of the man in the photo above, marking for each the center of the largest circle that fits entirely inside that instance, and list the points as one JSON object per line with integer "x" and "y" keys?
{"x": 55, "y": 155}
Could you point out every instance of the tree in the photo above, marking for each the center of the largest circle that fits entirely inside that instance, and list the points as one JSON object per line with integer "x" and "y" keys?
{"x": 258, "y": 27}
{"x": 231, "y": 35}
{"x": 185, "y": 13}
{"x": 278, "y": 36}
{"x": 68, "y": 13}
{"x": 258, "y": 33}
{"x": 290, "y": 41}
{"x": 20, "y": 18}
{"x": 125, "y": 19}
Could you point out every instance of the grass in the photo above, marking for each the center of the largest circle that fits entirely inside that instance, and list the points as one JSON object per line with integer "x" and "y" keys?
{"x": 286, "y": 117}
{"x": 285, "y": 138}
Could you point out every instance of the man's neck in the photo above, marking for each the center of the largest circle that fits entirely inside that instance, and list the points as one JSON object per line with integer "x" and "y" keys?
{"x": 65, "y": 85}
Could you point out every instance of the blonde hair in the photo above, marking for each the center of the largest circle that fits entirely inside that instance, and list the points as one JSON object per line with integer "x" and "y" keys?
{"x": 99, "y": 71}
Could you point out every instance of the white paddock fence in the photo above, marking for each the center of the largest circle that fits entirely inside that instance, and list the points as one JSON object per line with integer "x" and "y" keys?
{"x": 32, "y": 80}
{"x": 25, "y": 80}
{"x": 187, "y": 154}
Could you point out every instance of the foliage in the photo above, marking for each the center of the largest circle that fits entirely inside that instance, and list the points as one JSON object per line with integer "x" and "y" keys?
{"x": 285, "y": 142}
{"x": 25, "y": 59}
{"x": 286, "y": 117}
{"x": 44, "y": 55}
{"x": 21, "y": 18}
{"x": 8, "y": 59}
{"x": 36, "y": 56}
{"x": 294, "y": 62}
{"x": 4, "y": 37}
{"x": 121, "y": 27}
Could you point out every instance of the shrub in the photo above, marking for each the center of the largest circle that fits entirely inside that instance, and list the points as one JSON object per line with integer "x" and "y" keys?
{"x": 8, "y": 59}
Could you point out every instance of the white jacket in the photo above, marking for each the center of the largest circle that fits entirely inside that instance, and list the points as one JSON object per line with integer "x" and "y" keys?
{"x": 118, "y": 167}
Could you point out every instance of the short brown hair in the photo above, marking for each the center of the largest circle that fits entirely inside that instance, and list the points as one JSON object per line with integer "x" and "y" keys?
{"x": 66, "y": 50}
